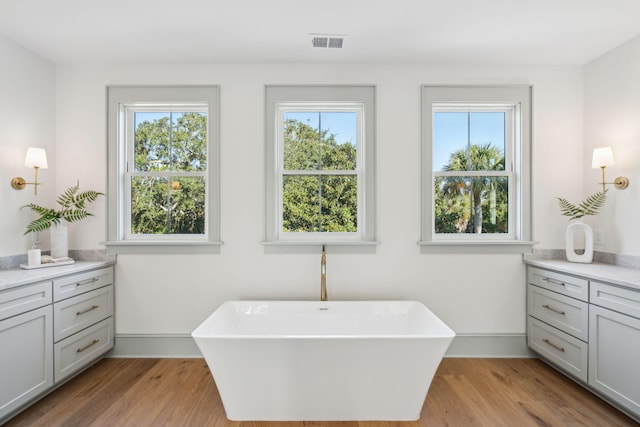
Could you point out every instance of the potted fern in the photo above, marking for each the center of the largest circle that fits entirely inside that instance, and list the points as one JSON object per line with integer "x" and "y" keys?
{"x": 590, "y": 206}
{"x": 72, "y": 207}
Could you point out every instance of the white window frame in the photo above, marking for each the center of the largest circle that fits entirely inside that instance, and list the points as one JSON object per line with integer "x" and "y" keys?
{"x": 122, "y": 103}
{"x": 515, "y": 100}
{"x": 281, "y": 99}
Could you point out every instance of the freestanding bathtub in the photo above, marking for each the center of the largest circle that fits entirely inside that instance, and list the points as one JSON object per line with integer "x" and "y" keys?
{"x": 323, "y": 361}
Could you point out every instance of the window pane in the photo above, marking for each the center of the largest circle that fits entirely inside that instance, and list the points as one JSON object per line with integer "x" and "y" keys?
{"x": 487, "y": 129}
{"x": 313, "y": 204}
{"x": 149, "y": 205}
{"x": 160, "y": 205}
{"x": 450, "y": 135}
{"x": 466, "y": 141}
{"x": 340, "y": 204}
{"x": 187, "y": 205}
{"x": 189, "y": 142}
{"x": 170, "y": 141}
{"x": 151, "y": 148}
{"x": 300, "y": 207}
{"x": 471, "y": 205}
{"x": 339, "y": 140}
{"x": 320, "y": 140}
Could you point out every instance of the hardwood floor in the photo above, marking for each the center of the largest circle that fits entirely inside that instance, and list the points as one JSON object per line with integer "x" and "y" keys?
{"x": 181, "y": 392}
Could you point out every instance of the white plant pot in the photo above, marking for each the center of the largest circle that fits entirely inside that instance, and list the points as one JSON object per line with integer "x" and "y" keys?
{"x": 576, "y": 230}
{"x": 59, "y": 237}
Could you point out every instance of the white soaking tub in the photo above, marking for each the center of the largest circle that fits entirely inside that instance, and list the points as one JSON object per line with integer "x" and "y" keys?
{"x": 323, "y": 361}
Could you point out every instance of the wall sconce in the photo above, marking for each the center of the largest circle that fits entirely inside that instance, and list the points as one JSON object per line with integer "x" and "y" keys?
{"x": 603, "y": 157}
{"x": 37, "y": 159}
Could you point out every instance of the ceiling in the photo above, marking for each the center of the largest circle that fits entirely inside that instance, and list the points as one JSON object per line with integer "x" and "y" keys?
{"x": 563, "y": 32}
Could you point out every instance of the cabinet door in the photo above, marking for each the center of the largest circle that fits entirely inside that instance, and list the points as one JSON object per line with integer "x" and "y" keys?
{"x": 614, "y": 356}
{"x": 26, "y": 358}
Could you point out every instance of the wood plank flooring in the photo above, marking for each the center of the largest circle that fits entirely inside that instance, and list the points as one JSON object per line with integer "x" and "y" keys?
{"x": 181, "y": 392}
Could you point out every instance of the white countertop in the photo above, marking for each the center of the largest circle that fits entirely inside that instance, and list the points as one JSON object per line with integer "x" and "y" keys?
{"x": 14, "y": 277}
{"x": 614, "y": 274}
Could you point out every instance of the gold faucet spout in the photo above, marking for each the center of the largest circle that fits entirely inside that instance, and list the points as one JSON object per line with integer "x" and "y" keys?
{"x": 323, "y": 275}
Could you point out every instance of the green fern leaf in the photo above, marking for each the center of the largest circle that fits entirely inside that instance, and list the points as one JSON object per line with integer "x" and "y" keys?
{"x": 86, "y": 197}
{"x": 72, "y": 215}
{"x": 590, "y": 206}
{"x": 41, "y": 224}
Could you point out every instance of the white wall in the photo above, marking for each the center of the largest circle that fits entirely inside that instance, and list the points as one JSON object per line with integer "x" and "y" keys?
{"x": 473, "y": 293}
{"x": 612, "y": 118}
{"x": 27, "y": 118}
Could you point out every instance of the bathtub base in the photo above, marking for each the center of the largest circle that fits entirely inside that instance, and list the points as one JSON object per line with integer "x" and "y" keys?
{"x": 266, "y": 383}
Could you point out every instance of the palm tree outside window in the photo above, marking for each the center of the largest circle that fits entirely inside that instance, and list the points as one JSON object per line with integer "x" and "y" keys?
{"x": 471, "y": 174}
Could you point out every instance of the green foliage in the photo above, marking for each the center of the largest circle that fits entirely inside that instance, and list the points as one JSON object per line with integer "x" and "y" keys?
{"x": 590, "y": 206}
{"x": 72, "y": 208}
{"x": 461, "y": 201}
{"x": 318, "y": 203}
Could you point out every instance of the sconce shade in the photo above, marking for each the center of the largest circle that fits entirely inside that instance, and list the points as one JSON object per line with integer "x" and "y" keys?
{"x": 602, "y": 157}
{"x": 36, "y": 158}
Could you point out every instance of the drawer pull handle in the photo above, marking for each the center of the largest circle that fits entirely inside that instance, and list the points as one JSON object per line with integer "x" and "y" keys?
{"x": 555, "y": 310}
{"x": 91, "y": 344}
{"x": 93, "y": 307}
{"x": 546, "y": 341}
{"x": 555, "y": 282}
{"x": 88, "y": 281}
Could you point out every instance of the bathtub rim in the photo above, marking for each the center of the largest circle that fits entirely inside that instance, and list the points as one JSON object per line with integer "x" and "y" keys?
{"x": 445, "y": 333}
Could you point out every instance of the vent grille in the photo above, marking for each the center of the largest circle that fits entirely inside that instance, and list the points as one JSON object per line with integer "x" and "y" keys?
{"x": 327, "y": 41}
{"x": 335, "y": 42}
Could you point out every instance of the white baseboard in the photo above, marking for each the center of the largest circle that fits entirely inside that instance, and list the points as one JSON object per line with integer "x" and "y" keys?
{"x": 154, "y": 346}
{"x": 490, "y": 345}
{"x": 182, "y": 345}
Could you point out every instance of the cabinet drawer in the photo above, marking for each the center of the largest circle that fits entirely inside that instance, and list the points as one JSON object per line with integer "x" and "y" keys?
{"x": 567, "y": 314}
{"x": 563, "y": 350}
{"x": 574, "y": 287}
{"x": 24, "y": 298}
{"x": 623, "y": 300}
{"x": 74, "y": 314}
{"x": 75, "y": 284}
{"x": 77, "y": 351}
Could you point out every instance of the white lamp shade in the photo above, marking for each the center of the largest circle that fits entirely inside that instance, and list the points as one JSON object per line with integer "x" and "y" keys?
{"x": 602, "y": 156}
{"x": 36, "y": 158}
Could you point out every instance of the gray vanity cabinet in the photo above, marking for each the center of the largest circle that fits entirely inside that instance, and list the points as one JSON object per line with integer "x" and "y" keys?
{"x": 26, "y": 345}
{"x": 588, "y": 329}
{"x": 51, "y": 330}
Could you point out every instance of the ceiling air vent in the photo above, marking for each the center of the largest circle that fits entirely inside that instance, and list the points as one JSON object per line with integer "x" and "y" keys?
{"x": 325, "y": 40}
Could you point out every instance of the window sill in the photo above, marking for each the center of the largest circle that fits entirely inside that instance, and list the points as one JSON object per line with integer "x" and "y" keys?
{"x": 162, "y": 247}
{"x": 314, "y": 247}
{"x": 476, "y": 247}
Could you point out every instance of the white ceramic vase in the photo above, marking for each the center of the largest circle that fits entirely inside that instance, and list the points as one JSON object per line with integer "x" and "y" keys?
{"x": 58, "y": 235}
{"x": 575, "y": 230}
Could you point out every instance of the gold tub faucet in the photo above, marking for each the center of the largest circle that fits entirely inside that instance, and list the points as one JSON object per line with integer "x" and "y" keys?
{"x": 323, "y": 275}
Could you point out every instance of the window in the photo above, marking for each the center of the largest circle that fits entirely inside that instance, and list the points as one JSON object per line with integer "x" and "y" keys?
{"x": 476, "y": 172}
{"x": 320, "y": 164}
{"x": 163, "y": 169}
